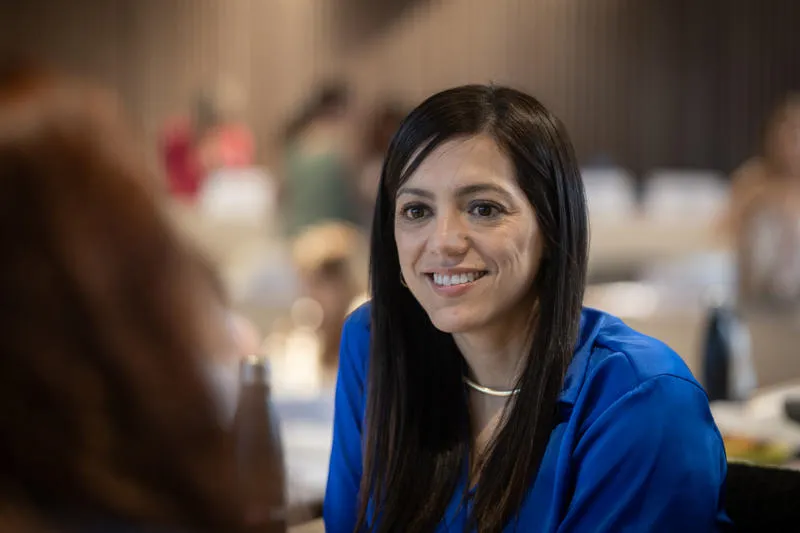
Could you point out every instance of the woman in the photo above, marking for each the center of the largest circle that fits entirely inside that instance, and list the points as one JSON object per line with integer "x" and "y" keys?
{"x": 482, "y": 395}
{"x": 109, "y": 422}
{"x": 764, "y": 216}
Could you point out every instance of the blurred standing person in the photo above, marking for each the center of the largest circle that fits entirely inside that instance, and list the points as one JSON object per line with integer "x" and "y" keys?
{"x": 319, "y": 167}
{"x": 764, "y": 216}
{"x": 110, "y": 423}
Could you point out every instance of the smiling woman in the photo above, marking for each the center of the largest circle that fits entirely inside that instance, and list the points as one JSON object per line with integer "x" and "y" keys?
{"x": 476, "y": 373}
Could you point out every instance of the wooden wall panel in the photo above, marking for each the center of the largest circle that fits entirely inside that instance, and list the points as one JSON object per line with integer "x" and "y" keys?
{"x": 646, "y": 83}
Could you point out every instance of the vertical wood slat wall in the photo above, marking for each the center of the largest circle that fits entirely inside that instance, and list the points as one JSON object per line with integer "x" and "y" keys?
{"x": 662, "y": 82}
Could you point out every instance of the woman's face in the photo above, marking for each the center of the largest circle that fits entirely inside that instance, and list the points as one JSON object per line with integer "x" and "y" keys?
{"x": 467, "y": 237}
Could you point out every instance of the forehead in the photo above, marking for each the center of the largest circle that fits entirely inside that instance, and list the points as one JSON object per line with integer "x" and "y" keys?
{"x": 464, "y": 161}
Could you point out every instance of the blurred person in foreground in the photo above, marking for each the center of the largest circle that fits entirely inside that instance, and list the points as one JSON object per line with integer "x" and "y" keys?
{"x": 763, "y": 219}
{"x": 109, "y": 421}
{"x": 475, "y": 392}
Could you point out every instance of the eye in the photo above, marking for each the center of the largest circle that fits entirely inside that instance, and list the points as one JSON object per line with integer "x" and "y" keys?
{"x": 485, "y": 210}
{"x": 414, "y": 211}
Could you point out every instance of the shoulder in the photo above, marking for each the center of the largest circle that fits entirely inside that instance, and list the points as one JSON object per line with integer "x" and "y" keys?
{"x": 358, "y": 322}
{"x": 355, "y": 346}
{"x": 617, "y": 343}
{"x": 613, "y": 361}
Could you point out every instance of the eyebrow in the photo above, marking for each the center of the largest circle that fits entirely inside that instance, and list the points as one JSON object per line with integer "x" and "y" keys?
{"x": 466, "y": 190}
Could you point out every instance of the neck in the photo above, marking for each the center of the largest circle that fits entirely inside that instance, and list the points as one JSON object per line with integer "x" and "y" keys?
{"x": 494, "y": 357}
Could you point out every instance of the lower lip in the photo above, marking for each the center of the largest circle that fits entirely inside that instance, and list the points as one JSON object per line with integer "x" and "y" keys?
{"x": 453, "y": 290}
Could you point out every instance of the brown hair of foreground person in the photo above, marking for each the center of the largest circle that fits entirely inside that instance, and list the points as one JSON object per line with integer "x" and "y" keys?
{"x": 104, "y": 409}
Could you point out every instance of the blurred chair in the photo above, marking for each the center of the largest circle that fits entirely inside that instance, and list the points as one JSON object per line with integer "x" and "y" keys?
{"x": 671, "y": 194}
{"x": 760, "y": 499}
{"x": 610, "y": 192}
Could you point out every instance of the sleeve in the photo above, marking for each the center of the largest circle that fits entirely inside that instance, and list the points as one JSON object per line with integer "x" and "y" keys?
{"x": 652, "y": 462}
{"x": 344, "y": 475}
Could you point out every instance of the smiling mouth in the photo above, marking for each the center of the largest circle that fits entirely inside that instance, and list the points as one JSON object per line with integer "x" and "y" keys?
{"x": 450, "y": 280}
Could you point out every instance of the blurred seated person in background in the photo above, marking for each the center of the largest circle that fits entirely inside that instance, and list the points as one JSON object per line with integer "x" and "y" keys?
{"x": 210, "y": 139}
{"x": 325, "y": 257}
{"x": 764, "y": 216}
{"x": 475, "y": 393}
{"x": 384, "y": 122}
{"x": 109, "y": 421}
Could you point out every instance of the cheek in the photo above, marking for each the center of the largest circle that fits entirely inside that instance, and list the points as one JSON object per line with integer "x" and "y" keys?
{"x": 408, "y": 247}
{"x": 527, "y": 253}
{"x": 401, "y": 243}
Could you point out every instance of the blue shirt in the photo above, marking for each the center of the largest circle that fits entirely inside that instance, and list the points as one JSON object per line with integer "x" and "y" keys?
{"x": 636, "y": 448}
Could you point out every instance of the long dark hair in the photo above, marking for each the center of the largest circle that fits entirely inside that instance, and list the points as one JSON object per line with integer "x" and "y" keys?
{"x": 417, "y": 426}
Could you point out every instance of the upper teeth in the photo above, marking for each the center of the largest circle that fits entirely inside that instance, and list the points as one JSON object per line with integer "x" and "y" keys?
{"x": 455, "y": 279}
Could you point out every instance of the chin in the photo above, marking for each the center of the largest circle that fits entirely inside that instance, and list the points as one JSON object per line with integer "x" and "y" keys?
{"x": 454, "y": 320}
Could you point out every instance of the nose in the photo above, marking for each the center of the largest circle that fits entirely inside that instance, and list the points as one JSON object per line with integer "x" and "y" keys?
{"x": 450, "y": 236}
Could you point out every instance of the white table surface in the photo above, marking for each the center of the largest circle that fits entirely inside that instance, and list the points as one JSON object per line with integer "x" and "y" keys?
{"x": 307, "y": 433}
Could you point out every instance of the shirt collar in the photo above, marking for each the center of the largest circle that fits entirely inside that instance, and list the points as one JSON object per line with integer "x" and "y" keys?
{"x": 590, "y": 325}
